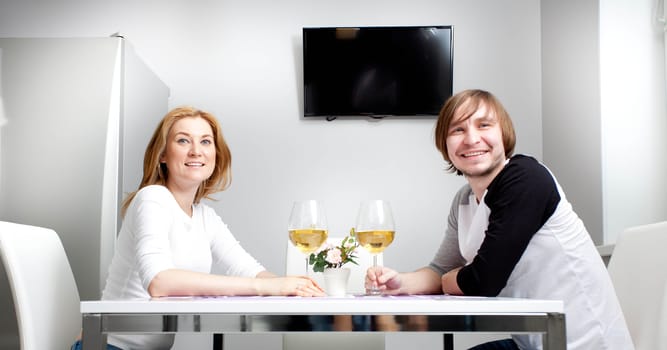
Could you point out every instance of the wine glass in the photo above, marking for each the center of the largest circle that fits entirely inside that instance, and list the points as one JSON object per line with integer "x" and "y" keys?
{"x": 374, "y": 230}
{"x": 307, "y": 227}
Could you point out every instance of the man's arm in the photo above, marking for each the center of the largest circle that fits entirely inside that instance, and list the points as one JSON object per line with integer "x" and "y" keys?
{"x": 389, "y": 281}
{"x": 521, "y": 199}
{"x": 449, "y": 284}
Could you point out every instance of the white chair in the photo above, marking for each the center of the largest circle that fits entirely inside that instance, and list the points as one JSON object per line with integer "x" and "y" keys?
{"x": 638, "y": 270}
{"x": 296, "y": 265}
{"x": 45, "y": 296}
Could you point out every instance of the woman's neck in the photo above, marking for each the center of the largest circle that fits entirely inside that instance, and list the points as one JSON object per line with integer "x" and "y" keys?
{"x": 184, "y": 197}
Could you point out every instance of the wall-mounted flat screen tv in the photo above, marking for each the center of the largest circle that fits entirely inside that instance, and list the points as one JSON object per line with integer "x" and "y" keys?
{"x": 376, "y": 71}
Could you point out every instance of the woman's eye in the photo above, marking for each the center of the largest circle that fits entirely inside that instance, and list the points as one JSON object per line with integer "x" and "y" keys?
{"x": 206, "y": 142}
{"x": 182, "y": 141}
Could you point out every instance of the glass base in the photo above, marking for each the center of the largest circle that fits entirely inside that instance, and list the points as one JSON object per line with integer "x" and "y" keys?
{"x": 374, "y": 291}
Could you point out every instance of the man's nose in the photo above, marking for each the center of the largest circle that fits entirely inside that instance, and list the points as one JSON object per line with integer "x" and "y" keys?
{"x": 472, "y": 136}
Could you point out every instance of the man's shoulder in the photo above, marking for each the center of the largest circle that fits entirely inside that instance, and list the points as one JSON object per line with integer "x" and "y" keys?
{"x": 463, "y": 195}
{"x": 525, "y": 163}
{"x": 526, "y": 173}
{"x": 523, "y": 159}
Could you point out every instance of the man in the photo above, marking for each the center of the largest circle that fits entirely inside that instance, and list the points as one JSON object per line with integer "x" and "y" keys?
{"x": 511, "y": 232}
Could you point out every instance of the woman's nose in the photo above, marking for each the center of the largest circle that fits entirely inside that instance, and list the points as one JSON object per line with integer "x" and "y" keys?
{"x": 195, "y": 149}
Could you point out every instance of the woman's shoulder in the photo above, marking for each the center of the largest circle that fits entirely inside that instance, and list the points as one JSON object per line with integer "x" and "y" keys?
{"x": 153, "y": 196}
{"x": 206, "y": 210}
{"x": 154, "y": 193}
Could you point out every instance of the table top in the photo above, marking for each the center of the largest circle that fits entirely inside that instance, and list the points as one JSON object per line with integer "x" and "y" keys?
{"x": 351, "y": 304}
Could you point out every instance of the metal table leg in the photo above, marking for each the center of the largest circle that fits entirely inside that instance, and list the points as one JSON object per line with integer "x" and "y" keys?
{"x": 555, "y": 337}
{"x": 93, "y": 338}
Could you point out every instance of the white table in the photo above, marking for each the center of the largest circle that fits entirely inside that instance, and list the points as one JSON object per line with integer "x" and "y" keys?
{"x": 443, "y": 314}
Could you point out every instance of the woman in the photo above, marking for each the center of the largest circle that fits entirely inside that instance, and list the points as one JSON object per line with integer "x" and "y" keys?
{"x": 169, "y": 240}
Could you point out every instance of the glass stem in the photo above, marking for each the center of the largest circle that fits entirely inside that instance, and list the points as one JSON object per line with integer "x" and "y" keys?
{"x": 306, "y": 266}
{"x": 374, "y": 288}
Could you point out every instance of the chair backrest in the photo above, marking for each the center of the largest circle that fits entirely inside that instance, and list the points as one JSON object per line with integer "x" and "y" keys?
{"x": 43, "y": 288}
{"x": 638, "y": 270}
{"x": 296, "y": 265}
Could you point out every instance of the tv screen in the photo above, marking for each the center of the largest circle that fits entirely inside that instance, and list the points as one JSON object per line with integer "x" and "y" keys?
{"x": 376, "y": 71}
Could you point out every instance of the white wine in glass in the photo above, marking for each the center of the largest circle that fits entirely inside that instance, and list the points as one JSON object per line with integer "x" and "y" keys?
{"x": 375, "y": 230}
{"x": 375, "y": 241}
{"x": 307, "y": 227}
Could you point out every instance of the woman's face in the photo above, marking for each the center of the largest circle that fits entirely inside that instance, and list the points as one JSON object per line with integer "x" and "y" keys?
{"x": 189, "y": 153}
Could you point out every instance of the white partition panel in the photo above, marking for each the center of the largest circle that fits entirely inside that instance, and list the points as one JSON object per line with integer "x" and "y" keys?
{"x": 67, "y": 117}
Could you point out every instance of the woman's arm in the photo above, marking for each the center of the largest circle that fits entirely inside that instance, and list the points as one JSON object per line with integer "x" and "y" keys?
{"x": 266, "y": 274}
{"x": 176, "y": 282}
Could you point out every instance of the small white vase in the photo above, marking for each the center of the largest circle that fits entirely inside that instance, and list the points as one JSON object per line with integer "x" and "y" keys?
{"x": 335, "y": 281}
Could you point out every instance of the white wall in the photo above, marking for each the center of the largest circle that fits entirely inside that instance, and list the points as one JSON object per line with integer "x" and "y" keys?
{"x": 634, "y": 114}
{"x": 571, "y": 104}
{"x": 604, "y": 110}
{"x": 242, "y": 61}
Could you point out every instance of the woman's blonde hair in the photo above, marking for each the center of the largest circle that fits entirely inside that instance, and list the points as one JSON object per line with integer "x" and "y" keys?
{"x": 465, "y": 104}
{"x": 155, "y": 172}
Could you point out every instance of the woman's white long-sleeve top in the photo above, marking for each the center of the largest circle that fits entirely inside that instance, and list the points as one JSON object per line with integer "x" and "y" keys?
{"x": 158, "y": 235}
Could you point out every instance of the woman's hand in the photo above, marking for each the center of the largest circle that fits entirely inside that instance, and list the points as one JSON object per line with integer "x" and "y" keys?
{"x": 290, "y": 285}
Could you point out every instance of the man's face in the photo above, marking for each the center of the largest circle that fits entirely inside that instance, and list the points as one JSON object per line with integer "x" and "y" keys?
{"x": 475, "y": 145}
